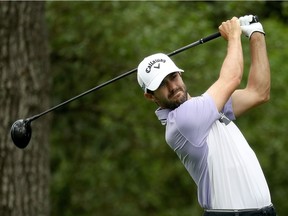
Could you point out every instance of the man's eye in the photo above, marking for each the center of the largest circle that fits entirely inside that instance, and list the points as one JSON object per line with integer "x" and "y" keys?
{"x": 174, "y": 75}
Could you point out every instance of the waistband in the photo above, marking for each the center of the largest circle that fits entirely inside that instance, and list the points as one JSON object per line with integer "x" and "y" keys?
{"x": 267, "y": 210}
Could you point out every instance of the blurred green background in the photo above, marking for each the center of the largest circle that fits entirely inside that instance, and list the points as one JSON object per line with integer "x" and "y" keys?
{"x": 108, "y": 152}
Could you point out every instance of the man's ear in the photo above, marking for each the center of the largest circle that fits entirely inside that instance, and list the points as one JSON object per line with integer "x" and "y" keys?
{"x": 149, "y": 96}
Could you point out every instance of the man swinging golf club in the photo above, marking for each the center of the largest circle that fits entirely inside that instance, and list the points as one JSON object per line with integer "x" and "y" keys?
{"x": 200, "y": 129}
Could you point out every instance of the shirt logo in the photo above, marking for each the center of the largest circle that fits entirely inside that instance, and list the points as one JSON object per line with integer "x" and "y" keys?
{"x": 224, "y": 119}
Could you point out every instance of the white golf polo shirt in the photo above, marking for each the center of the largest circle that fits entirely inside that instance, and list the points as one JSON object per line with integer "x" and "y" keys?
{"x": 216, "y": 155}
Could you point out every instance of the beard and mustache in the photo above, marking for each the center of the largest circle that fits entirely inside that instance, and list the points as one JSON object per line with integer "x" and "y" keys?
{"x": 170, "y": 102}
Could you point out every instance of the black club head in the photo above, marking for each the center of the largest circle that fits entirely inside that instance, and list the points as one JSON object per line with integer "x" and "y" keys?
{"x": 21, "y": 133}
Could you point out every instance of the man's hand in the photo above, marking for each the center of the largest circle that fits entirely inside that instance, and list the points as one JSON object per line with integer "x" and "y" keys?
{"x": 248, "y": 28}
{"x": 230, "y": 29}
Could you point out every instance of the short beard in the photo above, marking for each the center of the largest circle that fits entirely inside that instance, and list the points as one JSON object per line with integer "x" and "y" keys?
{"x": 174, "y": 104}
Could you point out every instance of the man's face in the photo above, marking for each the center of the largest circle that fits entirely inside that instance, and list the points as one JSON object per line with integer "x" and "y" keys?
{"x": 171, "y": 93}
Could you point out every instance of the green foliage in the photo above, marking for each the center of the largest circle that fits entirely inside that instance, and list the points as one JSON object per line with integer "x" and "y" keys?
{"x": 108, "y": 153}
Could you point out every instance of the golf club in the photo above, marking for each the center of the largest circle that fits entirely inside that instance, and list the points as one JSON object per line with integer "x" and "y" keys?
{"x": 21, "y": 130}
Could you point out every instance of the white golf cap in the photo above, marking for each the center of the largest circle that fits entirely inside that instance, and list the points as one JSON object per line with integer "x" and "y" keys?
{"x": 153, "y": 69}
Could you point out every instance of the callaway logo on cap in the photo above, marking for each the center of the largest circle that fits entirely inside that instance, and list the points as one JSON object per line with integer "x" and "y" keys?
{"x": 153, "y": 69}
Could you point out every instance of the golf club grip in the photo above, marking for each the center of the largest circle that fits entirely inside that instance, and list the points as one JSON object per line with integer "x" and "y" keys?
{"x": 255, "y": 19}
{"x": 217, "y": 34}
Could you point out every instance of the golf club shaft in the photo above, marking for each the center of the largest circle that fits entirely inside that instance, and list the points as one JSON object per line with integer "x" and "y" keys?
{"x": 201, "y": 41}
{"x": 196, "y": 43}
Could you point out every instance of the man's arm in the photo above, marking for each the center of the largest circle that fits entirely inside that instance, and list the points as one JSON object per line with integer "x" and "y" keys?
{"x": 232, "y": 67}
{"x": 257, "y": 90}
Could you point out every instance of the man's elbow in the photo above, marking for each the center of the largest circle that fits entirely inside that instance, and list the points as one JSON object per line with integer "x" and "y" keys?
{"x": 264, "y": 97}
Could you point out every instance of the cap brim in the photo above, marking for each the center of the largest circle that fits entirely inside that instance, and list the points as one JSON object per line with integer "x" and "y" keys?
{"x": 159, "y": 78}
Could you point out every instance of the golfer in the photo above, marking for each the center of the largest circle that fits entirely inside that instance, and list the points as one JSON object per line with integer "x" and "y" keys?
{"x": 200, "y": 129}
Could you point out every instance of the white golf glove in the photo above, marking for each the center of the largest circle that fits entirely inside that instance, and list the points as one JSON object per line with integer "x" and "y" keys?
{"x": 248, "y": 28}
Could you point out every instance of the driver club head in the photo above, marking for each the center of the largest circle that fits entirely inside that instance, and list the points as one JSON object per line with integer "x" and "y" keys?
{"x": 21, "y": 133}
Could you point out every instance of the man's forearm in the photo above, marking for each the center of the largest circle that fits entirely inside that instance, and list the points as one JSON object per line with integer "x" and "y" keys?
{"x": 259, "y": 75}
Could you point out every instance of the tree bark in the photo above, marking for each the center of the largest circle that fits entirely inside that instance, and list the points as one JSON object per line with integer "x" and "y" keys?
{"x": 24, "y": 88}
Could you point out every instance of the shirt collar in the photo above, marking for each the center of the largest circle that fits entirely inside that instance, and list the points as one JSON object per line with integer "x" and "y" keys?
{"x": 162, "y": 115}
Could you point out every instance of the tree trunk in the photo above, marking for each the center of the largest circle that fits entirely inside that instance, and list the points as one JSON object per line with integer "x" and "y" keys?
{"x": 24, "y": 88}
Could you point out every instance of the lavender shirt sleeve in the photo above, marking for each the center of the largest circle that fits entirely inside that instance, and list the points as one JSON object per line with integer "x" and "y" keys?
{"x": 228, "y": 110}
{"x": 194, "y": 119}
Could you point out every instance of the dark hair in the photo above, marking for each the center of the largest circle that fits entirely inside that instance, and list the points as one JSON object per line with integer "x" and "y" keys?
{"x": 149, "y": 91}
